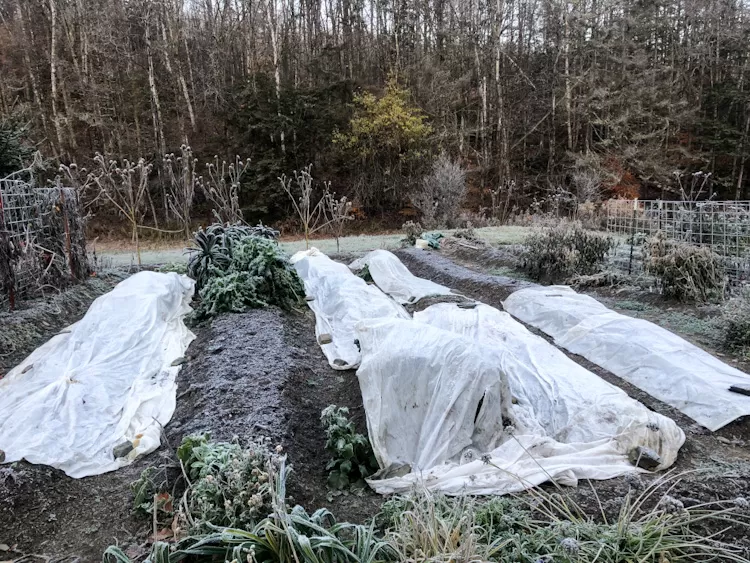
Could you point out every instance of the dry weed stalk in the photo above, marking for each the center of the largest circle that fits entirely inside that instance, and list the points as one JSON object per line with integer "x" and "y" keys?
{"x": 126, "y": 188}
{"x": 315, "y": 216}
{"x": 181, "y": 187}
{"x": 222, "y": 188}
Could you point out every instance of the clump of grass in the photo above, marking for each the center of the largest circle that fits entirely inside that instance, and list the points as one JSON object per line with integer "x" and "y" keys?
{"x": 651, "y": 526}
{"x": 683, "y": 271}
{"x": 630, "y": 305}
{"x": 176, "y": 267}
{"x": 558, "y": 253}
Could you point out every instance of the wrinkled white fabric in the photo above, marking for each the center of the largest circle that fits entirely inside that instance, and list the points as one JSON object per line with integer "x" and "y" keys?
{"x": 573, "y": 405}
{"x": 428, "y": 394}
{"x": 340, "y": 301}
{"x": 657, "y": 361}
{"x": 105, "y": 380}
{"x": 520, "y": 463}
{"x": 438, "y": 390}
{"x": 390, "y": 275}
{"x": 438, "y": 413}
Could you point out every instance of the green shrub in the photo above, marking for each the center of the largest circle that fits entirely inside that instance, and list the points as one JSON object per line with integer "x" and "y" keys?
{"x": 213, "y": 248}
{"x": 353, "y": 459}
{"x": 683, "y": 271}
{"x": 15, "y": 151}
{"x": 735, "y": 323}
{"x": 229, "y": 293}
{"x": 558, "y": 253}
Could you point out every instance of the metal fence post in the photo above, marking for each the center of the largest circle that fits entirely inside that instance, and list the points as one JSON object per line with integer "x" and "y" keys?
{"x": 632, "y": 237}
{"x": 68, "y": 251}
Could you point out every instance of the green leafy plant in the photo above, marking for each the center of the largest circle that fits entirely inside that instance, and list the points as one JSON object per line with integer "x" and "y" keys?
{"x": 560, "y": 252}
{"x": 229, "y": 293}
{"x": 209, "y": 256}
{"x": 229, "y": 485}
{"x": 213, "y": 247}
{"x": 365, "y": 274}
{"x": 285, "y": 535}
{"x": 353, "y": 459}
{"x": 238, "y": 267}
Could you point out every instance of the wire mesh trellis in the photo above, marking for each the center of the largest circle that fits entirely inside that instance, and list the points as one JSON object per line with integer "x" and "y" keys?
{"x": 723, "y": 226}
{"x": 42, "y": 243}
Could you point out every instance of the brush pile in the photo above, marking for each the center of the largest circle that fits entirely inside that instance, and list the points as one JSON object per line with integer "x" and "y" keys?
{"x": 684, "y": 271}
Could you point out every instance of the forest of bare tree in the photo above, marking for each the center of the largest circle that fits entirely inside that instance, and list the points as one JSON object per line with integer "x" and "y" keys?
{"x": 536, "y": 99}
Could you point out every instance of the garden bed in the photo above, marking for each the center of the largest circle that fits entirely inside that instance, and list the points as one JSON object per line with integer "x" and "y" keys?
{"x": 262, "y": 374}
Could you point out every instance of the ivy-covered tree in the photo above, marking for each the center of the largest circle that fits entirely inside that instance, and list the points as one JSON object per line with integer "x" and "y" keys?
{"x": 386, "y": 145}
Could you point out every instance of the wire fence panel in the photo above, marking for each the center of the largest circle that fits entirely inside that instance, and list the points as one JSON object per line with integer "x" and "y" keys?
{"x": 723, "y": 226}
{"x": 42, "y": 243}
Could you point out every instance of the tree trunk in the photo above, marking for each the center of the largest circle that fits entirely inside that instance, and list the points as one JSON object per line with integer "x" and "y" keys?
{"x": 53, "y": 75}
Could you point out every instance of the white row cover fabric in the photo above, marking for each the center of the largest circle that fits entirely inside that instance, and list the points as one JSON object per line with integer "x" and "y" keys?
{"x": 439, "y": 411}
{"x": 657, "y": 361}
{"x": 340, "y": 301}
{"x": 105, "y": 380}
{"x": 572, "y": 404}
{"x": 391, "y": 276}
